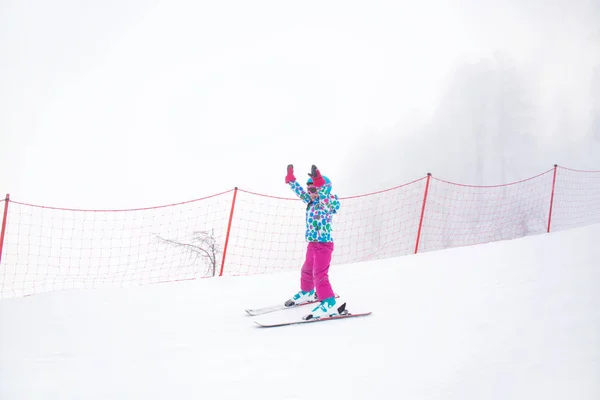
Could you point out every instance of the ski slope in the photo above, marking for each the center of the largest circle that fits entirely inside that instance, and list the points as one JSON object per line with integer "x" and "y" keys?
{"x": 512, "y": 320}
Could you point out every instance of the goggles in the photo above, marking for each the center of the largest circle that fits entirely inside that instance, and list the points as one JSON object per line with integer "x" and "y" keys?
{"x": 312, "y": 189}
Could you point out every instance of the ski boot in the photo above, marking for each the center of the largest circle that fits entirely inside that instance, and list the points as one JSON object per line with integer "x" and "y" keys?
{"x": 327, "y": 308}
{"x": 302, "y": 297}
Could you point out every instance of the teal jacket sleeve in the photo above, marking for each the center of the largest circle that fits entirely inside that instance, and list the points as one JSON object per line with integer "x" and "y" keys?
{"x": 299, "y": 190}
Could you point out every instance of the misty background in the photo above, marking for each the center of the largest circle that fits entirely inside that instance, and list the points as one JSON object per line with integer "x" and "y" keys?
{"x": 528, "y": 99}
{"x": 120, "y": 104}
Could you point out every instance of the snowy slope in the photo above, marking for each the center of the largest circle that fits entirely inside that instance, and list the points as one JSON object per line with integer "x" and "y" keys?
{"x": 507, "y": 320}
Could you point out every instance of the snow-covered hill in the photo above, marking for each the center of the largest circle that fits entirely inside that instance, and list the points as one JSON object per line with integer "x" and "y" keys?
{"x": 512, "y": 320}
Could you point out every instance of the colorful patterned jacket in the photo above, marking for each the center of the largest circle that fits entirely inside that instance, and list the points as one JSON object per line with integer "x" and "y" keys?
{"x": 319, "y": 213}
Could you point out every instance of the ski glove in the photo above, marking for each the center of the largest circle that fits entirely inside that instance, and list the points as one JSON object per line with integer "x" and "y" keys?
{"x": 316, "y": 176}
{"x": 290, "y": 174}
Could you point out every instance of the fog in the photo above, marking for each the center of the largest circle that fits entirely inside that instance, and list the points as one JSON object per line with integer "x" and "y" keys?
{"x": 528, "y": 97}
{"x": 130, "y": 103}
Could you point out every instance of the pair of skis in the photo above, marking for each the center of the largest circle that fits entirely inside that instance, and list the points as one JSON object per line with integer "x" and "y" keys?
{"x": 295, "y": 321}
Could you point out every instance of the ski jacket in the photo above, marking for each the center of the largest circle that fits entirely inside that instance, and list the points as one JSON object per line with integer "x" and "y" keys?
{"x": 319, "y": 213}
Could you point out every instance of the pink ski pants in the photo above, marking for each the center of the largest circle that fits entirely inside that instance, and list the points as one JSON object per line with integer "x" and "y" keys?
{"x": 315, "y": 271}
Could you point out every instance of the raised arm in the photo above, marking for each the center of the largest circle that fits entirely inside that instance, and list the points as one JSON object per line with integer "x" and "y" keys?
{"x": 290, "y": 179}
{"x": 330, "y": 203}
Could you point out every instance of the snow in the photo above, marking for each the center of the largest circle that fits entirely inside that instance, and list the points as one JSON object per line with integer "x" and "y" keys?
{"x": 515, "y": 319}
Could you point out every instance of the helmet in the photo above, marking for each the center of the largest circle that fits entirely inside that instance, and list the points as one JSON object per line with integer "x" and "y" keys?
{"x": 326, "y": 187}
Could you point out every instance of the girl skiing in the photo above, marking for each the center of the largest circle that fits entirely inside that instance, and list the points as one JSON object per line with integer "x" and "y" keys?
{"x": 314, "y": 277}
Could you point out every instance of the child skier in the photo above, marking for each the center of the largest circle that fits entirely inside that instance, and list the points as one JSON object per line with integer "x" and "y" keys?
{"x": 314, "y": 277}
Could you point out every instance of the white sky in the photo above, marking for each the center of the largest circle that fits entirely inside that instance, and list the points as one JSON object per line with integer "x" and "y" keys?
{"x": 135, "y": 103}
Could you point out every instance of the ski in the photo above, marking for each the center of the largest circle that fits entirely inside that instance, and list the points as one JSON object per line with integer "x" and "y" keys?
{"x": 270, "y": 309}
{"x": 278, "y": 307}
{"x": 302, "y": 321}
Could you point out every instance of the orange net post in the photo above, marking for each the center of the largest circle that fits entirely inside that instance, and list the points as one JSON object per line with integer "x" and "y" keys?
{"x": 228, "y": 231}
{"x": 552, "y": 198}
{"x": 4, "y": 218}
{"x": 422, "y": 213}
